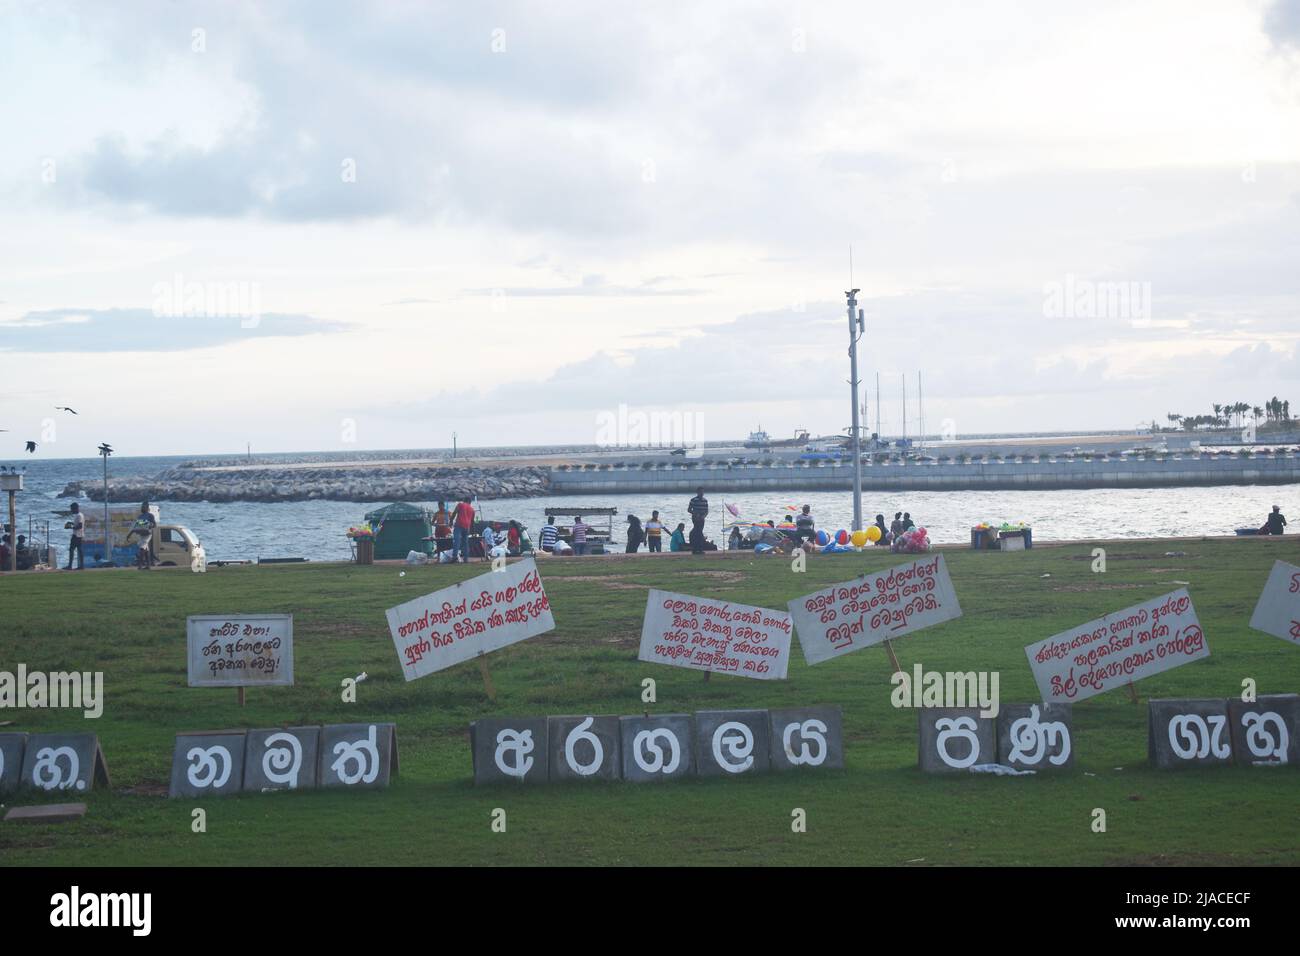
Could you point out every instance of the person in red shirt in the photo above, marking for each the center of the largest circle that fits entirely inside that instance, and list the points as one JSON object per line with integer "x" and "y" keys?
{"x": 463, "y": 519}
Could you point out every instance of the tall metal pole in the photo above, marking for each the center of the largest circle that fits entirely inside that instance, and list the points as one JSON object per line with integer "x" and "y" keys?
{"x": 855, "y": 327}
{"x": 108, "y": 542}
{"x": 105, "y": 449}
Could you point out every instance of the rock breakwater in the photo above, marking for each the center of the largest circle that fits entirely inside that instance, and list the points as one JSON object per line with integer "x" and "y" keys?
{"x": 323, "y": 484}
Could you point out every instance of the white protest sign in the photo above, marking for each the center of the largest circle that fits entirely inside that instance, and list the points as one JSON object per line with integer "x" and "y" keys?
{"x": 1278, "y": 610}
{"x": 1122, "y": 647}
{"x": 240, "y": 650}
{"x": 478, "y": 616}
{"x": 875, "y": 607}
{"x": 706, "y": 634}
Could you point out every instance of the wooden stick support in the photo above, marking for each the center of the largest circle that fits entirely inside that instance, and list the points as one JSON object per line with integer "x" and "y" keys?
{"x": 1132, "y": 692}
{"x": 240, "y": 692}
{"x": 893, "y": 658}
{"x": 707, "y": 675}
{"x": 488, "y": 686}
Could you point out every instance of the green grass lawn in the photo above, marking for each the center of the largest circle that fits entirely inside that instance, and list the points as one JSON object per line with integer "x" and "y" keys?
{"x": 880, "y": 810}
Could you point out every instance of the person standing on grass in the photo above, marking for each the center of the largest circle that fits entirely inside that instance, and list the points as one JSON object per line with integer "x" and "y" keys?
{"x": 654, "y": 531}
{"x": 635, "y": 534}
{"x": 462, "y": 524}
{"x": 442, "y": 528}
{"x": 77, "y": 523}
{"x": 698, "y": 509}
{"x": 580, "y": 528}
{"x": 550, "y": 534}
{"x": 143, "y": 530}
{"x": 896, "y": 526}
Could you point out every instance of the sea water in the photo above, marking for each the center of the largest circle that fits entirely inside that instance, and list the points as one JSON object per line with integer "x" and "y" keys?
{"x": 316, "y": 529}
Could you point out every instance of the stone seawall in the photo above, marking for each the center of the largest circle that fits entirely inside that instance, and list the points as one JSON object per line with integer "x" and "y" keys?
{"x": 362, "y": 483}
{"x": 932, "y": 476}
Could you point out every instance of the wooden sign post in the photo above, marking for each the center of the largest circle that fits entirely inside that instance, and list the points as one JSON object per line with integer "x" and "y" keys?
{"x": 488, "y": 686}
{"x": 893, "y": 658}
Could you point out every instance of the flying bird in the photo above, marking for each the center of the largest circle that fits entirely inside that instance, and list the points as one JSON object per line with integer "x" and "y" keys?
{"x": 31, "y": 446}
{"x": 64, "y": 408}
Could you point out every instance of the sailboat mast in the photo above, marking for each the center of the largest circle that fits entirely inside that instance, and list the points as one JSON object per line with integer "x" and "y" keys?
{"x": 877, "y": 403}
{"x": 904, "y": 406}
{"x": 920, "y": 409}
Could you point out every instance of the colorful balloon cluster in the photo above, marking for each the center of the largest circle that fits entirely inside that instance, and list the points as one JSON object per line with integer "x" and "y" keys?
{"x": 916, "y": 541}
{"x": 365, "y": 531}
{"x": 1004, "y": 526}
{"x": 844, "y": 540}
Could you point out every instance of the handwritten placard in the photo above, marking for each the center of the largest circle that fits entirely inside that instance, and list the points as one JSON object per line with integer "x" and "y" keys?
{"x": 475, "y": 617}
{"x": 859, "y": 613}
{"x": 1278, "y": 610}
{"x": 1122, "y": 647}
{"x": 240, "y": 650}
{"x": 707, "y": 634}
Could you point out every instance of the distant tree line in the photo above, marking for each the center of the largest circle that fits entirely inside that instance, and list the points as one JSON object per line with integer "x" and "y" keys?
{"x": 1275, "y": 412}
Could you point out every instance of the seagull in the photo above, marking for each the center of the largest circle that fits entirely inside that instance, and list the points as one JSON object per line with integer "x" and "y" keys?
{"x": 31, "y": 446}
{"x": 64, "y": 408}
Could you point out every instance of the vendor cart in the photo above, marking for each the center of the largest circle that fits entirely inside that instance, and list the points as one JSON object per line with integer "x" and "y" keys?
{"x": 599, "y": 533}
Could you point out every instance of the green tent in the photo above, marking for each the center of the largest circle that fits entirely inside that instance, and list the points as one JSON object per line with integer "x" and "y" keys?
{"x": 401, "y": 530}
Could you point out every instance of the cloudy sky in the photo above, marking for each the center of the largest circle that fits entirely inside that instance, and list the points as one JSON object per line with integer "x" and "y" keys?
{"x": 326, "y": 225}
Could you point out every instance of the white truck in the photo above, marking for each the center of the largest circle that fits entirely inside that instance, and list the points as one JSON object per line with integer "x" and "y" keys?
{"x": 173, "y": 545}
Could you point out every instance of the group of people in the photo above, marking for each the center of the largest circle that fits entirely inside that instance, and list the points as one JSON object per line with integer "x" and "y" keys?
{"x": 652, "y": 531}
{"x": 901, "y": 524}
{"x": 141, "y": 535}
{"x": 451, "y": 529}
{"x": 24, "y": 559}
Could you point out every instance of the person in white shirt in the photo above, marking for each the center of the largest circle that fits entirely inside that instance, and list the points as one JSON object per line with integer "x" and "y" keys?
{"x": 549, "y": 535}
{"x": 580, "y": 529}
{"x": 654, "y": 530}
{"x": 77, "y": 523}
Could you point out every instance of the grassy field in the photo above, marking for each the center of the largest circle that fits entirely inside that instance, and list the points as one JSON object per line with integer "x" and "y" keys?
{"x": 880, "y": 810}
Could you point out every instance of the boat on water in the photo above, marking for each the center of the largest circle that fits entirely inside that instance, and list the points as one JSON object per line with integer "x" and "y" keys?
{"x": 761, "y": 439}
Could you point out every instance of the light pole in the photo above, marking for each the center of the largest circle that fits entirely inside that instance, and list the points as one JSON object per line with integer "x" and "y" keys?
{"x": 856, "y": 327}
{"x": 105, "y": 449}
